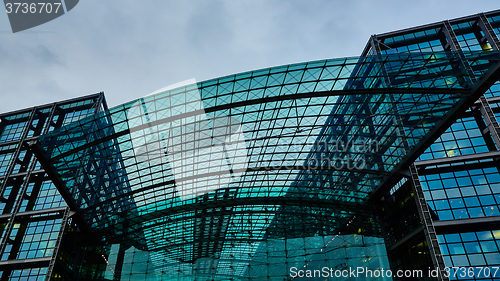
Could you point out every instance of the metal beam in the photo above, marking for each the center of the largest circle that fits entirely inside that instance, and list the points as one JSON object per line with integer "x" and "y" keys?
{"x": 19, "y": 175}
{"x": 427, "y": 223}
{"x": 44, "y": 106}
{"x": 266, "y": 100}
{"x": 481, "y": 86}
{"x": 56, "y": 179}
{"x": 457, "y": 159}
{"x": 487, "y": 29}
{"x": 24, "y": 263}
{"x": 467, "y": 225}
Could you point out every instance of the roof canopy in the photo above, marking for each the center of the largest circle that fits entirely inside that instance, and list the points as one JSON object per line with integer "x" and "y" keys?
{"x": 240, "y": 157}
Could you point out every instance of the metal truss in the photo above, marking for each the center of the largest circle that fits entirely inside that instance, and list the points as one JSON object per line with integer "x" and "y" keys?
{"x": 398, "y": 101}
{"x": 25, "y": 183}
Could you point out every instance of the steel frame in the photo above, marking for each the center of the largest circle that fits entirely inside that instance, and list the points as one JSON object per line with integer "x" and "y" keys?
{"x": 32, "y": 174}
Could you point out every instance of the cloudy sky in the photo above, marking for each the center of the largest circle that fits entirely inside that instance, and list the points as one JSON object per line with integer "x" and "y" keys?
{"x": 130, "y": 48}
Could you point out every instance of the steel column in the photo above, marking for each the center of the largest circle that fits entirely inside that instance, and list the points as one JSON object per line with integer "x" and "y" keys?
{"x": 429, "y": 231}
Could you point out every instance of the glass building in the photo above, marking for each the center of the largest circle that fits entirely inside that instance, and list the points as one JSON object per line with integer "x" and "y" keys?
{"x": 34, "y": 216}
{"x": 457, "y": 178}
{"x": 383, "y": 164}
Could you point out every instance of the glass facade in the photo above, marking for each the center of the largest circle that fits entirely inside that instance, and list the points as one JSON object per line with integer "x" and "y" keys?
{"x": 383, "y": 163}
{"x": 33, "y": 215}
{"x": 306, "y": 145}
{"x": 461, "y": 191}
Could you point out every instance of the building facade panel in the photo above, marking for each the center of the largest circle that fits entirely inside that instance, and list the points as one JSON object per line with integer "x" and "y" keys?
{"x": 32, "y": 210}
{"x": 389, "y": 160}
{"x": 460, "y": 191}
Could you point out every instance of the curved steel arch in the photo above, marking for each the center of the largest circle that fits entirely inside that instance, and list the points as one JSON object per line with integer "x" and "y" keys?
{"x": 294, "y": 118}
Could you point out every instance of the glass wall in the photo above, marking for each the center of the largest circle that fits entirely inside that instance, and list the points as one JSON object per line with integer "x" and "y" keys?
{"x": 31, "y": 207}
{"x": 467, "y": 189}
{"x": 254, "y": 175}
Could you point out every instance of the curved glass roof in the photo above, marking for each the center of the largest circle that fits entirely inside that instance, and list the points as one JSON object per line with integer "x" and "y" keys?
{"x": 279, "y": 153}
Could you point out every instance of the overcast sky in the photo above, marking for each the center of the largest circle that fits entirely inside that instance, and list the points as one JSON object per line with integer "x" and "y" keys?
{"x": 130, "y": 48}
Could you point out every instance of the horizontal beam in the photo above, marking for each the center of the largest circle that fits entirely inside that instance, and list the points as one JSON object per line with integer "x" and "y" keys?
{"x": 23, "y": 174}
{"x": 459, "y": 167}
{"x": 24, "y": 263}
{"x": 49, "y": 105}
{"x": 483, "y": 84}
{"x": 435, "y": 25}
{"x": 27, "y": 140}
{"x": 467, "y": 225}
{"x": 458, "y": 159}
{"x": 354, "y": 207}
{"x": 261, "y": 101}
{"x": 35, "y": 212}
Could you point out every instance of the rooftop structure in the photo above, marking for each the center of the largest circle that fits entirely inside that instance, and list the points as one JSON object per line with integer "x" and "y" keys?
{"x": 388, "y": 160}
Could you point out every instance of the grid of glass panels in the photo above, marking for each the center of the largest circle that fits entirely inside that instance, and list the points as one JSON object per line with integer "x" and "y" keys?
{"x": 432, "y": 39}
{"x": 467, "y": 35}
{"x": 12, "y": 131}
{"x": 463, "y": 138}
{"x": 5, "y": 160}
{"x": 71, "y": 117}
{"x": 269, "y": 130}
{"x": 477, "y": 252}
{"x": 339, "y": 251}
{"x": 48, "y": 197}
{"x": 39, "y": 239}
{"x": 33, "y": 236}
{"x": 463, "y": 194}
{"x": 31, "y": 274}
{"x": 298, "y": 122}
{"x": 421, "y": 41}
